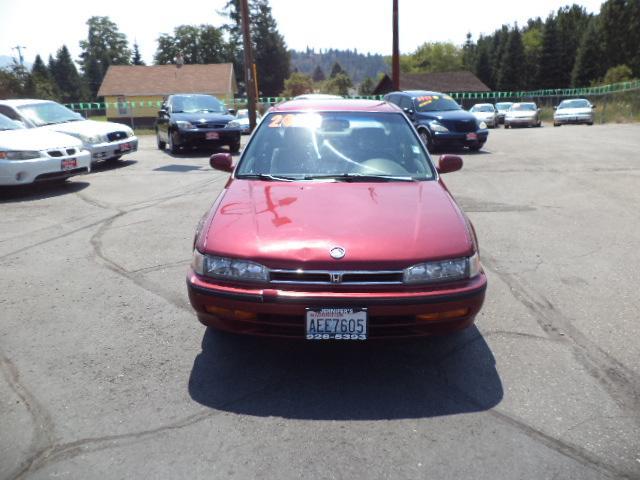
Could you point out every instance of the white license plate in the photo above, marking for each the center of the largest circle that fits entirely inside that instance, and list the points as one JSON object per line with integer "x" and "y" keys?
{"x": 337, "y": 324}
{"x": 68, "y": 164}
{"x": 472, "y": 136}
{"x": 212, "y": 135}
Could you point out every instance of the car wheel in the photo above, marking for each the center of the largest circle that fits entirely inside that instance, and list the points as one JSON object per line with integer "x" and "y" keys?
{"x": 161, "y": 144}
{"x": 113, "y": 159}
{"x": 173, "y": 148}
{"x": 556, "y": 124}
{"x": 476, "y": 147}
{"x": 234, "y": 147}
{"x": 589, "y": 123}
{"x": 426, "y": 139}
{"x": 506, "y": 125}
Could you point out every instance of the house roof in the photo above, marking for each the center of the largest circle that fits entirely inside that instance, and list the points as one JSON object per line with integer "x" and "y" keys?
{"x": 448, "y": 82}
{"x": 167, "y": 79}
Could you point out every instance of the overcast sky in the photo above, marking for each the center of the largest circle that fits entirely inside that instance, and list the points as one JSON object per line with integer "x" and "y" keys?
{"x": 361, "y": 24}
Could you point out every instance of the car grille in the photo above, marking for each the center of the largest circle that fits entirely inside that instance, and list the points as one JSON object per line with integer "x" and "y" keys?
{"x": 297, "y": 277}
{"x": 61, "y": 152}
{"x": 113, "y": 136}
{"x": 210, "y": 125}
{"x": 462, "y": 125}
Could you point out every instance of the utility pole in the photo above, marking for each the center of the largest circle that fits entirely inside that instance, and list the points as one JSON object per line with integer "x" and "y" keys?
{"x": 395, "y": 68}
{"x": 19, "y": 49}
{"x": 249, "y": 76}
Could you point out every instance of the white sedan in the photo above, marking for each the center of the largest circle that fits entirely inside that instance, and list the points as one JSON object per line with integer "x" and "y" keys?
{"x": 105, "y": 140}
{"x": 485, "y": 112}
{"x": 242, "y": 120}
{"x": 29, "y": 156}
{"x": 577, "y": 110}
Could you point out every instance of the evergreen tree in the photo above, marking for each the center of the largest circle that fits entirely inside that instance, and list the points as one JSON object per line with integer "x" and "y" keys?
{"x": 532, "y": 41}
{"x": 40, "y": 84}
{"x": 614, "y": 29}
{"x": 366, "y": 87}
{"x": 197, "y": 44}
{"x": 338, "y": 85}
{"x": 483, "y": 66}
{"x": 588, "y": 67}
{"x": 496, "y": 51}
{"x": 271, "y": 53}
{"x": 550, "y": 68}
{"x": 318, "y": 74}
{"x": 571, "y": 22}
{"x": 511, "y": 72}
{"x": 66, "y": 77}
{"x": 336, "y": 69}
{"x": 104, "y": 46}
{"x": 136, "y": 58}
{"x": 39, "y": 68}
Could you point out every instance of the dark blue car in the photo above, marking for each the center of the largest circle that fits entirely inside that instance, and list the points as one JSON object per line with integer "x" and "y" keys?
{"x": 196, "y": 120}
{"x": 440, "y": 121}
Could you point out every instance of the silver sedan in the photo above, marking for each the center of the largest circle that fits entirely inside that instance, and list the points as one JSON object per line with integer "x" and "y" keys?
{"x": 525, "y": 114}
{"x": 485, "y": 112}
{"x": 577, "y": 110}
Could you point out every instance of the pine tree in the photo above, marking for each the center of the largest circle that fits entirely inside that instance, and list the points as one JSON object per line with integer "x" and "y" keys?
{"x": 40, "y": 84}
{"x": 550, "y": 68}
{"x": 483, "y": 66}
{"x": 66, "y": 77}
{"x": 336, "y": 69}
{"x": 318, "y": 75}
{"x": 588, "y": 67}
{"x": 271, "y": 53}
{"x": 571, "y": 22}
{"x": 510, "y": 74}
{"x": 136, "y": 58}
{"x": 366, "y": 87}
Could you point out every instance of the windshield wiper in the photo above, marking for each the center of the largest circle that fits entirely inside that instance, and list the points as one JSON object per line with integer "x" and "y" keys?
{"x": 359, "y": 177}
{"x": 267, "y": 176}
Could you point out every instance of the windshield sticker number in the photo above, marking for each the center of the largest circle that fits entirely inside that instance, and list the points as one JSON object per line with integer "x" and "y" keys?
{"x": 282, "y": 121}
{"x": 426, "y": 100}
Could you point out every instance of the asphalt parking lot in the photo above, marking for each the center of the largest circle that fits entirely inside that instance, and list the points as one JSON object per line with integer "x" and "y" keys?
{"x": 106, "y": 373}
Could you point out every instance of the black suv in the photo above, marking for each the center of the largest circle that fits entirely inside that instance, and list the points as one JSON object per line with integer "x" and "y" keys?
{"x": 195, "y": 119}
{"x": 439, "y": 119}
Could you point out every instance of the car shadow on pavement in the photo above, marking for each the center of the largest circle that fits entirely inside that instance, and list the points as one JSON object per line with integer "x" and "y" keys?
{"x": 109, "y": 166}
{"x": 39, "y": 191}
{"x": 198, "y": 152}
{"x": 349, "y": 381}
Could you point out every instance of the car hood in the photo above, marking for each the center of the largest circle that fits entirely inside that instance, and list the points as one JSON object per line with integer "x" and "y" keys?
{"x": 29, "y": 139}
{"x": 87, "y": 127}
{"x": 522, "y": 114}
{"x": 202, "y": 117}
{"x": 451, "y": 115}
{"x": 573, "y": 111}
{"x": 294, "y": 225}
{"x": 483, "y": 115}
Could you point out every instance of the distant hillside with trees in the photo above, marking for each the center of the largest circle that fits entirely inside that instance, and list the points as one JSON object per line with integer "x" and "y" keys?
{"x": 357, "y": 66}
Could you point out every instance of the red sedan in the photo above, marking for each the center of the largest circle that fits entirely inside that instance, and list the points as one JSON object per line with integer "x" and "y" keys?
{"x": 336, "y": 225}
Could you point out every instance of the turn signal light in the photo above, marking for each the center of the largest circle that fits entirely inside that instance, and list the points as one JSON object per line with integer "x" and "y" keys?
{"x": 228, "y": 313}
{"x": 430, "y": 317}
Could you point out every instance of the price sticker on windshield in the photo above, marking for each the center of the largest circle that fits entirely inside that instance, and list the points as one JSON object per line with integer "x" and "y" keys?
{"x": 426, "y": 100}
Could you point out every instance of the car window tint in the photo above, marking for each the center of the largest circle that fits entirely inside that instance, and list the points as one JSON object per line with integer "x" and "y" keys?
{"x": 335, "y": 143}
{"x": 406, "y": 102}
{"x": 9, "y": 112}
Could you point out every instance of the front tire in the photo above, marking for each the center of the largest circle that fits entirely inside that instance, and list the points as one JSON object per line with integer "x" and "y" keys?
{"x": 476, "y": 147}
{"x": 173, "y": 148}
{"x": 234, "y": 147}
{"x": 426, "y": 139}
{"x": 160, "y": 143}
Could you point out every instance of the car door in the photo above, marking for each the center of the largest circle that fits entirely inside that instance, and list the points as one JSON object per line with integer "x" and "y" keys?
{"x": 162, "y": 121}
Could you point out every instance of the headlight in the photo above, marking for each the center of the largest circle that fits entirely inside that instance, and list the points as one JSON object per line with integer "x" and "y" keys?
{"x": 20, "y": 155}
{"x": 184, "y": 125}
{"x": 482, "y": 125}
{"x": 443, "y": 270}
{"x": 437, "y": 126}
{"x": 229, "y": 268}
{"x": 233, "y": 124}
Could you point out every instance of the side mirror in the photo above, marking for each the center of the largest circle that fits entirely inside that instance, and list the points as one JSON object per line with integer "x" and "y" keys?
{"x": 408, "y": 111}
{"x": 449, "y": 163}
{"x": 162, "y": 112}
{"x": 222, "y": 162}
{"x": 232, "y": 111}
{"x": 555, "y": 108}
{"x": 593, "y": 106}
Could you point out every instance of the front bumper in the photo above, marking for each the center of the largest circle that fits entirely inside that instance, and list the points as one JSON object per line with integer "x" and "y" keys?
{"x": 527, "y": 121}
{"x": 459, "y": 139}
{"x": 573, "y": 119}
{"x": 226, "y": 136}
{"x": 392, "y": 314}
{"x": 104, "y": 151}
{"x": 23, "y": 172}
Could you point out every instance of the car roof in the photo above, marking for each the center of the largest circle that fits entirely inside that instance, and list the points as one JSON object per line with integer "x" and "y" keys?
{"x": 416, "y": 93}
{"x": 343, "y": 105}
{"x": 483, "y": 105}
{"x": 22, "y": 101}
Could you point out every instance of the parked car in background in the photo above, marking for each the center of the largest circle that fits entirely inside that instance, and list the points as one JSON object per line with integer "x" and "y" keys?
{"x": 485, "y": 112}
{"x": 576, "y": 110}
{"x": 317, "y": 96}
{"x": 187, "y": 120}
{"x": 440, "y": 121}
{"x": 336, "y": 225}
{"x": 104, "y": 140}
{"x": 525, "y": 114}
{"x": 241, "y": 121}
{"x": 502, "y": 108}
{"x": 28, "y": 156}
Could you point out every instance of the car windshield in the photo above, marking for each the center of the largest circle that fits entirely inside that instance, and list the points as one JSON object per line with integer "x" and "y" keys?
{"x": 574, "y": 104}
{"x": 503, "y": 106}
{"x": 197, "y": 103}
{"x": 48, "y": 113}
{"x": 435, "y": 103}
{"x": 523, "y": 107}
{"x": 482, "y": 108}
{"x": 7, "y": 124}
{"x": 340, "y": 146}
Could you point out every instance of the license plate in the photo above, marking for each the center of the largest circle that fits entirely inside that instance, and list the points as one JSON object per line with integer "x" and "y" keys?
{"x": 212, "y": 135}
{"x": 472, "y": 136}
{"x": 337, "y": 324}
{"x": 125, "y": 147}
{"x": 69, "y": 163}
